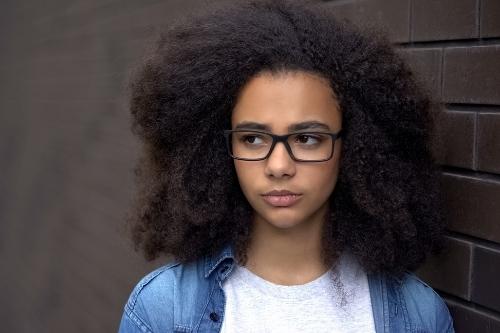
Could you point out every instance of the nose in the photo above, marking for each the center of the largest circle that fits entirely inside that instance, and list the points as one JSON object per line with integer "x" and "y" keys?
{"x": 280, "y": 164}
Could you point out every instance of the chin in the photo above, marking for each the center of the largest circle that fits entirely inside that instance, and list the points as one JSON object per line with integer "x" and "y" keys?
{"x": 283, "y": 224}
{"x": 283, "y": 221}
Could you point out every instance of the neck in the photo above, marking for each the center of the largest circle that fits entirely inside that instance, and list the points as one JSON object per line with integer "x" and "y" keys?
{"x": 287, "y": 256}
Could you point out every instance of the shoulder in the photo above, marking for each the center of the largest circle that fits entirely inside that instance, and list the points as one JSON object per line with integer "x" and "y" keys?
{"x": 158, "y": 284}
{"x": 152, "y": 297}
{"x": 424, "y": 304}
{"x": 168, "y": 297}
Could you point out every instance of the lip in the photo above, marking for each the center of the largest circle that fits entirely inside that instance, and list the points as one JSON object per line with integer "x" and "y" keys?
{"x": 281, "y": 198}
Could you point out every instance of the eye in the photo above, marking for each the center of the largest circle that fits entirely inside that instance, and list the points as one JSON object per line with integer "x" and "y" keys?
{"x": 308, "y": 139}
{"x": 252, "y": 139}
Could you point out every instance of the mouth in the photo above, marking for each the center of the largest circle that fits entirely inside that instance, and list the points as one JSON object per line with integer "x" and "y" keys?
{"x": 281, "y": 198}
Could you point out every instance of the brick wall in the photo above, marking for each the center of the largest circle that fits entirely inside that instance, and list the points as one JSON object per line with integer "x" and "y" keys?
{"x": 454, "y": 48}
{"x": 67, "y": 152}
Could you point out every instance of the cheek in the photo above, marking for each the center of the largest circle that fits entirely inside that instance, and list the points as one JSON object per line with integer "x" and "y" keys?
{"x": 330, "y": 171}
{"x": 323, "y": 178}
{"x": 246, "y": 173}
{"x": 239, "y": 168}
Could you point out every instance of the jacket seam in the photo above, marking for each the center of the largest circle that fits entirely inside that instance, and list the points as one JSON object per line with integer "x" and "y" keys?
{"x": 385, "y": 304}
{"x": 437, "y": 297}
{"x": 404, "y": 311}
{"x": 177, "y": 327}
{"x": 137, "y": 320}
{"x": 133, "y": 300}
{"x": 210, "y": 295}
{"x": 217, "y": 263}
{"x": 450, "y": 326}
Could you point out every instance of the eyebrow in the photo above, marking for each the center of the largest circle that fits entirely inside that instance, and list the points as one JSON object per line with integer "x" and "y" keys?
{"x": 306, "y": 125}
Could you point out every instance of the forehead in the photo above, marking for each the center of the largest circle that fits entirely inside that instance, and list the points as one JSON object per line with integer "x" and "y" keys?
{"x": 278, "y": 100}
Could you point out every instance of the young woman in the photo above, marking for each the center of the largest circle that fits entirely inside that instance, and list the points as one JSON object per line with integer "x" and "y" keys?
{"x": 288, "y": 173}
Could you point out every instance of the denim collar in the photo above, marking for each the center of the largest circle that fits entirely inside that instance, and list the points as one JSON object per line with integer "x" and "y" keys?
{"x": 213, "y": 261}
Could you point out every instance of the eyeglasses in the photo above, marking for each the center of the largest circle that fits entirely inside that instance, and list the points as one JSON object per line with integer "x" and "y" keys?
{"x": 302, "y": 147}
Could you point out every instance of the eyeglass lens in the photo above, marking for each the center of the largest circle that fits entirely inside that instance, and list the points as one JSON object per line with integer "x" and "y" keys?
{"x": 304, "y": 146}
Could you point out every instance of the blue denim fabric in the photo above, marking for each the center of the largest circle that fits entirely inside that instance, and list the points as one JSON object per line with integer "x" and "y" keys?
{"x": 189, "y": 298}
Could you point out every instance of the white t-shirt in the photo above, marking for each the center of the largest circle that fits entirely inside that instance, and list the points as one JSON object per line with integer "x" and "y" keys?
{"x": 337, "y": 301}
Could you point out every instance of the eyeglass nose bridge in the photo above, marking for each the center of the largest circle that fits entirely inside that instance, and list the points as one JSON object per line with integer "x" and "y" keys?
{"x": 284, "y": 140}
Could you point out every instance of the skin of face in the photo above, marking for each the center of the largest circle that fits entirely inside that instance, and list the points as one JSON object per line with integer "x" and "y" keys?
{"x": 278, "y": 101}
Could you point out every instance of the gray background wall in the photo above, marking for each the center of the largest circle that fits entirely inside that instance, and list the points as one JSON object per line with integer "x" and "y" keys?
{"x": 66, "y": 152}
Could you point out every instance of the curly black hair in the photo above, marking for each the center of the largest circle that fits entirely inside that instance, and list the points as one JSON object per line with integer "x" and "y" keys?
{"x": 386, "y": 206}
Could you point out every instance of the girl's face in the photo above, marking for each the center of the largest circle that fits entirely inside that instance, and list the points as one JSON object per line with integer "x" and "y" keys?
{"x": 279, "y": 104}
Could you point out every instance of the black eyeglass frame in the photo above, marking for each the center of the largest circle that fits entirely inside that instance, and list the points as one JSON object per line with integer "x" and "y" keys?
{"x": 280, "y": 138}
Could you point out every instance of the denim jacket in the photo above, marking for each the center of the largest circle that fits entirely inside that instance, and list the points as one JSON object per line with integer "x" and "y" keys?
{"x": 189, "y": 298}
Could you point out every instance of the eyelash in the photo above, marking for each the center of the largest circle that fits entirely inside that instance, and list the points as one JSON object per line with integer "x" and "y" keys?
{"x": 306, "y": 135}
